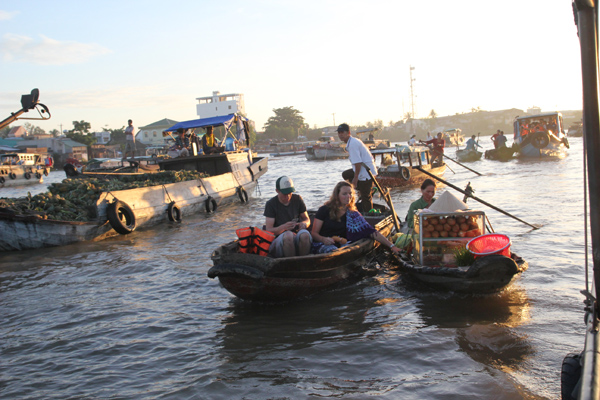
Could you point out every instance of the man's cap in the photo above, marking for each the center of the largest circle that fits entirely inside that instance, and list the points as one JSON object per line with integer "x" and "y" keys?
{"x": 343, "y": 128}
{"x": 285, "y": 185}
{"x": 412, "y": 136}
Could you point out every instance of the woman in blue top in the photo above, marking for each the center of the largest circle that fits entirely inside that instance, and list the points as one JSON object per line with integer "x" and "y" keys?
{"x": 338, "y": 217}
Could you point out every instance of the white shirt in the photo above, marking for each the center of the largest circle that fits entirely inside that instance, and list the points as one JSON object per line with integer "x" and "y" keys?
{"x": 359, "y": 153}
{"x": 129, "y": 134}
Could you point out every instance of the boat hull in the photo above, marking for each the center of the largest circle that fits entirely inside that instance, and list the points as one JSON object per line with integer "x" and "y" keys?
{"x": 468, "y": 155}
{"x": 501, "y": 154}
{"x": 488, "y": 274}
{"x": 553, "y": 150}
{"x": 149, "y": 206}
{"x": 326, "y": 154}
{"x": 255, "y": 278}
{"x": 395, "y": 179}
{"x": 21, "y": 175}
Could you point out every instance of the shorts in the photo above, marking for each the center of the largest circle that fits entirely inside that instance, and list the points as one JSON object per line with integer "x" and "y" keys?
{"x": 276, "y": 248}
{"x": 129, "y": 146}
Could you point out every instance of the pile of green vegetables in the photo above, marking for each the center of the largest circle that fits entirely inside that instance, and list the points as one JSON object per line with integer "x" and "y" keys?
{"x": 75, "y": 199}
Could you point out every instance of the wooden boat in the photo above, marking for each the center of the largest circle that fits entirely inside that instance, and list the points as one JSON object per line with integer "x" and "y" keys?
{"x": 488, "y": 274}
{"x": 18, "y": 169}
{"x": 502, "y": 154}
{"x": 575, "y": 130}
{"x": 404, "y": 171}
{"x": 230, "y": 176}
{"x": 325, "y": 149}
{"x": 288, "y": 149}
{"x": 435, "y": 263}
{"x": 257, "y": 278}
{"x": 368, "y": 138}
{"x": 465, "y": 155}
{"x": 541, "y": 135}
{"x": 454, "y": 137}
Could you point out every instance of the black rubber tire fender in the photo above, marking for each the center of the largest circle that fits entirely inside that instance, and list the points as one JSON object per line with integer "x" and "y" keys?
{"x": 570, "y": 375}
{"x": 12, "y": 175}
{"x": 405, "y": 173}
{"x": 539, "y": 140}
{"x": 27, "y": 175}
{"x": 38, "y": 175}
{"x": 2, "y": 180}
{"x": 173, "y": 212}
{"x": 121, "y": 217}
{"x": 210, "y": 204}
{"x": 70, "y": 170}
{"x": 242, "y": 194}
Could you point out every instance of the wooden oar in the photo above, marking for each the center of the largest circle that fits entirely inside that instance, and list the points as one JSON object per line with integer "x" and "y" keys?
{"x": 462, "y": 165}
{"x": 470, "y": 194}
{"x": 386, "y": 197}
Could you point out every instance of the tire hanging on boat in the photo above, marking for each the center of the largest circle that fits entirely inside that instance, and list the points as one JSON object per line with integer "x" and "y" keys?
{"x": 242, "y": 194}
{"x": 12, "y": 175}
{"x": 27, "y": 175}
{"x": 121, "y": 217}
{"x": 2, "y": 180}
{"x": 210, "y": 204}
{"x": 570, "y": 375}
{"x": 405, "y": 173}
{"x": 38, "y": 175}
{"x": 174, "y": 212}
{"x": 539, "y": 140}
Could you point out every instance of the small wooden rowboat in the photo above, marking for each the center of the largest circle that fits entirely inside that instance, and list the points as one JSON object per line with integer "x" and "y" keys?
{"x": 465, "y": 155}
{"x": 487, "y": 274}
{"x": 257, "y": 278}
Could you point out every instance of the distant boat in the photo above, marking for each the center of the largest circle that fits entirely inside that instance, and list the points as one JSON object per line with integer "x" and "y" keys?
{"x": 18, "y": 169}
{"x": 541, "y": 135}
{"x": 326, "y": 148}
{"x": 454, "y": 137}
{"x": 405, "y": 168}
{"x": 465, "y": 155}
{"x": 575, "y": 130}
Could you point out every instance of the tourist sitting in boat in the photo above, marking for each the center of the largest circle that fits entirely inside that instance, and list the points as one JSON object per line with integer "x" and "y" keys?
{"x": 209, "y": 143}
{"x": 338, "y": 222}
{"x": 287, "y": 218}
{"x": 412, "y": 141}
{"x": 437, "y": 151}
{"x": 182, "y": 143}
{"x": 472, "y": 143}
{"x": 426, "y": 200}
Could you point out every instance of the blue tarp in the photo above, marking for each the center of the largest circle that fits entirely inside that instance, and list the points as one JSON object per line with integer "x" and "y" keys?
{"x": 224, "y": 120}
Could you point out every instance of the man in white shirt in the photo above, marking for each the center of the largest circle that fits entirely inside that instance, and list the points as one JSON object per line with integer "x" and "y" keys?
{"x": 129, "y": 140}
{"x": 359, "y": 177}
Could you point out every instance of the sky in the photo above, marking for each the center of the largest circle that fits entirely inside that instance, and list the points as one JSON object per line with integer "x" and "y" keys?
{"x": 333, "y": 60}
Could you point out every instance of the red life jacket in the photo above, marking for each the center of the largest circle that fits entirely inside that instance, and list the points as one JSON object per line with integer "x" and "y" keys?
{"x": 253, "y": 240}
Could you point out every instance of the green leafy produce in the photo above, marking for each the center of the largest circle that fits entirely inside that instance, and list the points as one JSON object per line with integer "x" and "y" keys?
{"x": 463, "y": 256}
{"x": 75, "y": 199}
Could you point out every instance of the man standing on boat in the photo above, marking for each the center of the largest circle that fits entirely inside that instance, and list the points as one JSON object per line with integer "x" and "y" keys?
{"x": 129, "y": 139}
{"x": 286, "y": 217}
{"x": 495, "y": 137}
{"x": 358, "y": 176}
{"x": 501, "y": 140}
{"x": 437, "y": 151}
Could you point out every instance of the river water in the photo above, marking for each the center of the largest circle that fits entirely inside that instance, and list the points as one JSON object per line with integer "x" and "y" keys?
{"x": 136, "y": 317}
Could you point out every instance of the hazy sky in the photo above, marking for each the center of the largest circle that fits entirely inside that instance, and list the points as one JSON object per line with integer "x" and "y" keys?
{"x": 107, "y": 61}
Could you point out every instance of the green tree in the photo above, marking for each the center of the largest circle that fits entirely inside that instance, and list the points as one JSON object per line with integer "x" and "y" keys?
{"x": 33, "y": 130}
{"x": 81, "y": 127}
{"x": 432, "y": 114}
{"x": 286, "y": 124}
{"x": 80, "y": 133}
{"x": 4, "y": 132}
{"x": 54, "y": 132}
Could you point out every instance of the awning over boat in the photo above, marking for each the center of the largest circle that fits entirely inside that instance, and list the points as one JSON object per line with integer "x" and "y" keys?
{"x": 223, "y": 120}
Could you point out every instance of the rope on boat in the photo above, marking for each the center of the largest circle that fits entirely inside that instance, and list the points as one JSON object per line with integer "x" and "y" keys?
{"x": 168, "y": 195}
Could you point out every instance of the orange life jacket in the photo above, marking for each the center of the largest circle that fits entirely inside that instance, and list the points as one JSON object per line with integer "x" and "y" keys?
{"x": 253, "y": 240}
{"x": 246, "y": 243}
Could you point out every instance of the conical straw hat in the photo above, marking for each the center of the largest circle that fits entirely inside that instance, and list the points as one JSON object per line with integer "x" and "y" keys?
{"x": 447, "y": 203}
